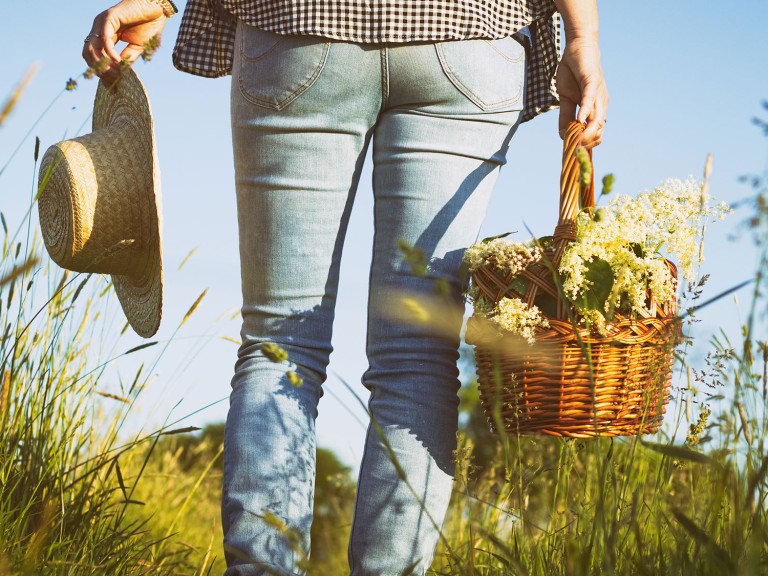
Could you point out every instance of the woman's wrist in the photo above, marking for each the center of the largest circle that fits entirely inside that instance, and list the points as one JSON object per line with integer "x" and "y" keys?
{"x": 580, "y": 19}
{"x": 169, "y": 8}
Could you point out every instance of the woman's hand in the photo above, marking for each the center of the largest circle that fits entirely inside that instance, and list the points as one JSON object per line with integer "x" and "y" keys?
{"x": 133, "y": 21}
{"x": 580, "y": 81}
{"x": 581, "y": 85}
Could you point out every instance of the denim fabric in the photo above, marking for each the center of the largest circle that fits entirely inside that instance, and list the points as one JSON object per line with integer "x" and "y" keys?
{"x": 304, "y": 110}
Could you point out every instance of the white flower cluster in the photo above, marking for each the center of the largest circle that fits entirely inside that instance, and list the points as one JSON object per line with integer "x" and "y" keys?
{"x": 512, "y": 315}
{"x": 517, "y": 317}
{"x": 508, "y": 257}
{"x": 632, "y": 235}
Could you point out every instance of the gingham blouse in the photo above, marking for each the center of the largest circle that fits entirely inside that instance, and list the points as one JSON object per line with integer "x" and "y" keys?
{"x": 205, "y": 43}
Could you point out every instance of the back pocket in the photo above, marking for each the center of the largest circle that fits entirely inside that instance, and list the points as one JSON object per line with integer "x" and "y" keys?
{"x": 490, "y": 73}
{"x": 275, "y": 69}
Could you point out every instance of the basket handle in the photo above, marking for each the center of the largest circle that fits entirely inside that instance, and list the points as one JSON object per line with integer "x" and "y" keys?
{"x": 573, "y": 196}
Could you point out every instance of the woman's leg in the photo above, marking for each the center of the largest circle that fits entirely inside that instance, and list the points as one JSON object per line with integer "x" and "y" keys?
{"x": 436, "y": 158}
{"x": 300, "y": 130}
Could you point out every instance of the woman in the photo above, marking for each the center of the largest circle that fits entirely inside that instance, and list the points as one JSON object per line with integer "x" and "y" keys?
{"x": 439, "y": 88}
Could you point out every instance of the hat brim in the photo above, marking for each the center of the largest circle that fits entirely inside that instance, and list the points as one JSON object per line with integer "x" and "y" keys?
{"x": 140, "y": 295}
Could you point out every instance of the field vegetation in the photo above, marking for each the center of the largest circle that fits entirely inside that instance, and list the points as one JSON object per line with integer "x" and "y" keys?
{"x": 80, "y": 495}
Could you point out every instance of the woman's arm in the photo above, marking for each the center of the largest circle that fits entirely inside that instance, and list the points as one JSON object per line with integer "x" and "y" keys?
{"x": 580, "y": 81}
{"x": 132, "y": 21}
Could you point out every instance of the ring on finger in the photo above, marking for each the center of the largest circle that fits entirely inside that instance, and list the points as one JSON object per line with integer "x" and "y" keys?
{"x": 90, "y": 37}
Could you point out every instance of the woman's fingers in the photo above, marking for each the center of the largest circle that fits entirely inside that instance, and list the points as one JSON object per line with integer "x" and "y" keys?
{"x": 582, "y": 89}
{"x": 95, "y": 56}
{"x": 567, "y": 114}
{"x": 592, "y": 114}
{"x": 90, "y": 54}
{"x": 109, "y": 37}
{"x": 134, "y": 22}
{"x": 96, "y": 50}
{"x": 131, "y": 53}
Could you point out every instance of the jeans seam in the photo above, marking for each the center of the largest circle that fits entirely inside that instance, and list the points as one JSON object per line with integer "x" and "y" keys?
{"x": 357, "y": 493}
{"x": 467, "y": 91}
{"x": 384, "y": 76}
{"x": 503, "y": 55}
{"x": 298, "y": 91}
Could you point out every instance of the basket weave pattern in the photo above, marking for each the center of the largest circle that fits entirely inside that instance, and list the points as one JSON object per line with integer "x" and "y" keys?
{"x": 572, "y": 381}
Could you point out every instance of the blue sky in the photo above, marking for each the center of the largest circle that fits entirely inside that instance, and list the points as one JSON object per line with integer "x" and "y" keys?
{"x": 685, "y": 79}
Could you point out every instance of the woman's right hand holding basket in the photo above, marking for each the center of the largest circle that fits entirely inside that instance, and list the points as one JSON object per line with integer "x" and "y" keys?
{"x": 580, "y": 81}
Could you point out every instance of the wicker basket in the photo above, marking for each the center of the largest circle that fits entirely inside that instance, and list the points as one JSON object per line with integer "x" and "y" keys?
{"x": 571, "y": 382}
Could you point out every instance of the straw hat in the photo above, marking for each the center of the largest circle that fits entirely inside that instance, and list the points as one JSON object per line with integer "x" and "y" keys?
{"x": 100, "y": 201}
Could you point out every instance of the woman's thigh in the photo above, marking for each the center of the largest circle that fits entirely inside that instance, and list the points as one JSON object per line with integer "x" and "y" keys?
{"x": 300, "y": 132}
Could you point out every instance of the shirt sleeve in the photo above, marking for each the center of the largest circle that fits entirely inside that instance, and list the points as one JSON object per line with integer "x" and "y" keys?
{"x": 206, "y": 40}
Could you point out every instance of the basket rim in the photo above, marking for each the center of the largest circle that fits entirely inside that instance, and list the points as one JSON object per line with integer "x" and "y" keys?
{"x": 626, "y": 331}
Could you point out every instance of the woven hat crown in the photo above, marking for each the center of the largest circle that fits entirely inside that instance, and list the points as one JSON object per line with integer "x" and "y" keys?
{"x": 99, "y": 201}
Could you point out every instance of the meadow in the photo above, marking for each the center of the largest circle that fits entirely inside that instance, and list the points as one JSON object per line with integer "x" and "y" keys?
{"x": 79, "y": 494}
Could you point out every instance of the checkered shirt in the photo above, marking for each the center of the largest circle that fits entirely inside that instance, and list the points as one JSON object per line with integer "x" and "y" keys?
{"x": 205, "y": 44}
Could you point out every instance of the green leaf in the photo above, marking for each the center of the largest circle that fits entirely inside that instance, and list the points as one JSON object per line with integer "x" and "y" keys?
{"x": 504, "y": 235}
{"x": 608, "y": 181}
{"x": 600, "y": 278}
{"x": 274, "y": 352}
{"x": 545, "y": 242}
{"x": 120, "y": 481}
{"x": 140, "y": 347}
{"x": 185, "y": 430}
{"x": 638, "y": 249}
{"x": 518, "y": 286}
{"x": 720, "y": 555}
{"x": 680, "y": 452}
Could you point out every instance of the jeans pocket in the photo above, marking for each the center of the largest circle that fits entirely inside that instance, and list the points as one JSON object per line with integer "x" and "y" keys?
{"x": 275, "y": 69}
{"x": 490, "y": 73}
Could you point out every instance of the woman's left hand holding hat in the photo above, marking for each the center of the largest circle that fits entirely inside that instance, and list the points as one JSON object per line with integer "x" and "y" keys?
{"x": 133, "y": 21}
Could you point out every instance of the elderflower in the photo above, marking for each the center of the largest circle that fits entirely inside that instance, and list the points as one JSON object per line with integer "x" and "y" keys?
{"x": 509, "y": 257}
{"x": 515, "y": 316}
{"x": 512, "y": 315}
{"x": 633, "y": 235}
{"x": 618, "y": 259}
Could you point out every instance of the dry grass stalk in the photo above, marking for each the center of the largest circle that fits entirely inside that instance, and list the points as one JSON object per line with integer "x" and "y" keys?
{"x": 13, "y": 99}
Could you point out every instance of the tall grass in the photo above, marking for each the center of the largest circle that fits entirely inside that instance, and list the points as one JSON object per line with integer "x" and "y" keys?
{"x": 77, "y": 497}
{"x": 65, "y": 502}
{"x": 692, "y": 499}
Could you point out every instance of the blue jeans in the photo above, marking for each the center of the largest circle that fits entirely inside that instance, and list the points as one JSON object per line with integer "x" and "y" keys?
{"x": 304, "y": 110}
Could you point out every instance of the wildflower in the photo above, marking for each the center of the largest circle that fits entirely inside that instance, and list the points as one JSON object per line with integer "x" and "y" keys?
{"x": 150, "y": 47}
{"x": 585, "y": 166}
{"x": 442, "y": 288}
{"x": 416, "y": 310}
{"x": 509, "y": 257}
{"x": 516, "y": 317}
{"x": 618, "y": 258}
{"x": 295, "y": 379}
{"x": 608, "y": 180}
{"x": 97, "y": 68}
{"x": 482, "y": 307}
{"x": 414, "y": 257}
{"x": 274, "y": 352}
{"x": 599, "y": 214}
{"x": 696, "y": 430}
{"x": 630, "y": 233}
